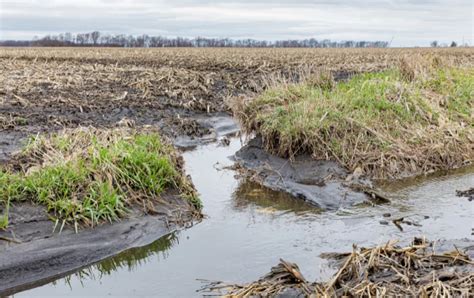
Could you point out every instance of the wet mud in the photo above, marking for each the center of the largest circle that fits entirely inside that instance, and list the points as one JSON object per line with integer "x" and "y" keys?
{"x": 469, "y": 193}
{"x": 325, "y": 184}
{"x": 9, "y": 143}
{"x": 35, "y": 250}
{"x": 41, "y": 97}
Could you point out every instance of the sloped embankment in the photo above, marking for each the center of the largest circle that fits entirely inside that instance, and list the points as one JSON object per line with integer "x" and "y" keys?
{"x": 76, "y": 197}
{"x": 411, "y": 120}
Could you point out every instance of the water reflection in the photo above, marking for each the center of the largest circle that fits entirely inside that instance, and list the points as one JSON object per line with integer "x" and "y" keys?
{"x": 439, "y": 176}
{"x": 135, "y": 257}
{"x": 250, "y": 195}
{"x": 129, "y": 260}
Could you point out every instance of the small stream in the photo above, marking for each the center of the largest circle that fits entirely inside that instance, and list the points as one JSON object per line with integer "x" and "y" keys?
{"x": 249, "y": 229}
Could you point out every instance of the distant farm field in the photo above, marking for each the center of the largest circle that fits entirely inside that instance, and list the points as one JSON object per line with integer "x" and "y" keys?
{"x": 50, "y": 87}
{"x": 46, "y": 89}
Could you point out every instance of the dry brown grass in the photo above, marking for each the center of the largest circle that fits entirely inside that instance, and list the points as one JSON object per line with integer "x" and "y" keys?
{"x": 383, "y": 271}
{"x": 419, "y": 67}
{"x": 68, "y": 83}
{"x": 217, "y": 59}
{"x": 415, "y": 270}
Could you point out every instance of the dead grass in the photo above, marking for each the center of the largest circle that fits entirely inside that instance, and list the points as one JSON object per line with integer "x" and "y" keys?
{"x": 382, "y": 271}
{"x": 410, "y": 120}
{"x": 415, "y": 270}
{"x": 10, "y": 121}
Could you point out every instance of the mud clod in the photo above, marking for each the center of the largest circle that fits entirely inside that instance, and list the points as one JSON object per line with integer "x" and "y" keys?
{"x": 469, "y": 194}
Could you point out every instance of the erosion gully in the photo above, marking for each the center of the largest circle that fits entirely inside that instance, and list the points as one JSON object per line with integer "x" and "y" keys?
{"x": 247, "y": 229}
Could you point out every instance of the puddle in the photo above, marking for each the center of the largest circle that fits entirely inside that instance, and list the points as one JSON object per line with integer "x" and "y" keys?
{"x": 249, "y": 229}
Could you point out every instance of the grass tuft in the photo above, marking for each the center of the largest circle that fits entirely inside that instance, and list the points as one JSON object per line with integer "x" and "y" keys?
{"x": 323, "y": 80}
{"x": 405, "y": 121}
{"x": 90, "y": 175}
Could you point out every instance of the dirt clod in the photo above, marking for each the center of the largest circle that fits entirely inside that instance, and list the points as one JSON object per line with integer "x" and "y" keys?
{"x": 469, "y": 193}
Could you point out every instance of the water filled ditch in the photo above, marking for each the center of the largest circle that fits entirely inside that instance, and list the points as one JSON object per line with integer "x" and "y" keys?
{"x": 248, "y": 229}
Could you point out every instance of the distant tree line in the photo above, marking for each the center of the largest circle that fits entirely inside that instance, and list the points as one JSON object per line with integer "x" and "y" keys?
{"x": 436, "y": 44}
{"x": 97, "y": 39}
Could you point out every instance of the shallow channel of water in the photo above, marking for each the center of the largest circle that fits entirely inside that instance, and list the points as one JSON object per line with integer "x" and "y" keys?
{"x": 249, "y": 229}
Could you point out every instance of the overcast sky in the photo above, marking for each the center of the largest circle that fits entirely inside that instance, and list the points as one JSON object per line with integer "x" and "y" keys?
{"x": 408, "y": 22}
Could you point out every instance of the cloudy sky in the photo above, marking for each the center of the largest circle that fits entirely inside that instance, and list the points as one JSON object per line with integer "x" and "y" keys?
{"x": 408, "y": 22}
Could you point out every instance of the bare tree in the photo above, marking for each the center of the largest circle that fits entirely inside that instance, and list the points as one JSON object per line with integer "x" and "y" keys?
{"x": 95, "y": 37}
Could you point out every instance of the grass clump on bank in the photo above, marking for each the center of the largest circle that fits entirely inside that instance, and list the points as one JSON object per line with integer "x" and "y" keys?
{"x": 404, "y": 121}
{"x": 90, "y": 175}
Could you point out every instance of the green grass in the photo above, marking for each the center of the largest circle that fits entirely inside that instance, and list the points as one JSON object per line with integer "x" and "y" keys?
{"x": 91, "y": 176}
{"x": 388, "y": 126}
{"x": 457, "y": 88}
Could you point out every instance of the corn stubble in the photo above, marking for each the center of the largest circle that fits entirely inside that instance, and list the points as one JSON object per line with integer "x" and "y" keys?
{"x": 387, "y": 270}
{"x": 193, "y": 79}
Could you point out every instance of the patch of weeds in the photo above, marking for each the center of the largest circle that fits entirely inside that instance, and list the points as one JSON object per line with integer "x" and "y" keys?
{"x": 7, "y": 122}
{"x": 90, "y": 175}
{"x": 456, "y": 87}
{"x": 395, "y": 123}
{"x": 4, "y": 217}
{"x": 323, "y": 80}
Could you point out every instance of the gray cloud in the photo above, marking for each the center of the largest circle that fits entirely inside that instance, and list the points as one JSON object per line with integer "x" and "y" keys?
{"x": 409, "y": 22}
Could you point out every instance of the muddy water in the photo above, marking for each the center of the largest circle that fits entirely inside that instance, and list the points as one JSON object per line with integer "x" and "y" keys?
{"x": 248, "y": 229}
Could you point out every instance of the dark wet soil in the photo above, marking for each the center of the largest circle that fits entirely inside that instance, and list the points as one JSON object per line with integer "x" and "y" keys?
{"x": 325, "y": 184}
{"x": 34, "y": 249}
{"x": 10, "y": 141}
{"x": 43, "y": 96}
{"x": 172, "y": 123}
{"x": 39, "y": 97}
{"x": 469, "y": 193}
